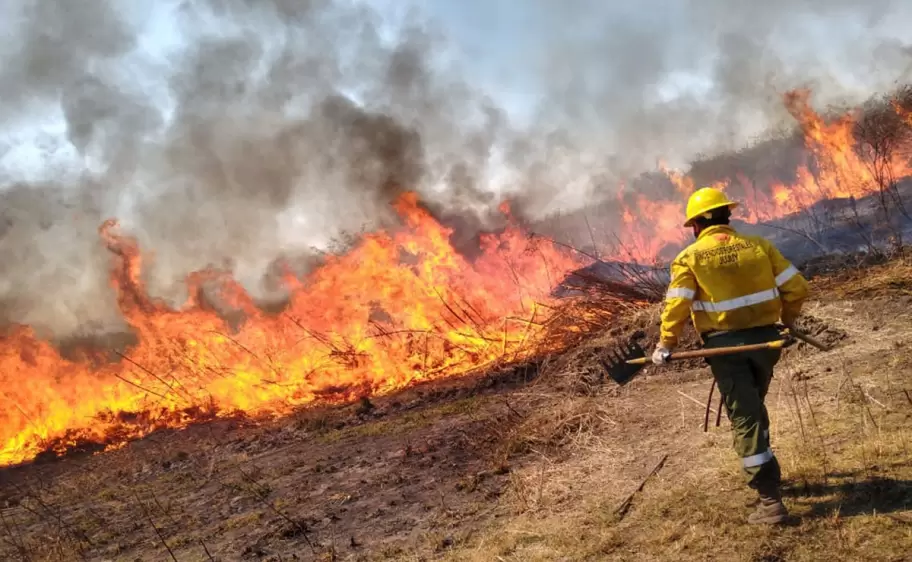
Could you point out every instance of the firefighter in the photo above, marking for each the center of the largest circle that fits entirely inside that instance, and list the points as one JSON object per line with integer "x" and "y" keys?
{"x": 736, "y": 288}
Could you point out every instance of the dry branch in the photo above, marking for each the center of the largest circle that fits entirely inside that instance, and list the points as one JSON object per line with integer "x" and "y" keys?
{"x": 155, "y": 528}
{"x": 694, "y": 400}
{"x": 625, "y": 505}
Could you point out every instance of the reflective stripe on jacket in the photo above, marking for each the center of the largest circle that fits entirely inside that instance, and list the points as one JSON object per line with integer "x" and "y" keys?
{"x": 730, "y": 281}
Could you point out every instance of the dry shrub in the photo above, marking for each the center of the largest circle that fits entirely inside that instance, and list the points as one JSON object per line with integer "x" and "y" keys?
{"x": 885, "y": 280}
{"x": 594, "y": 304}
{"x": 552, "y": 423}
{"x": 578, "y": 370}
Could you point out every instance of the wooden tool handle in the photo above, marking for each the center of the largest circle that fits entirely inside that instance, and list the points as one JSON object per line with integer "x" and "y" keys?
{"x": 810, "y": 340}
{"x": 715, "y": 352}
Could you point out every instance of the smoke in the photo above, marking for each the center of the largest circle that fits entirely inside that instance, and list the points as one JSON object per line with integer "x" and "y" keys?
{"x": 258, "y": 131}
{"x": 272, "y": 129}
{"x": 627, "y": 84}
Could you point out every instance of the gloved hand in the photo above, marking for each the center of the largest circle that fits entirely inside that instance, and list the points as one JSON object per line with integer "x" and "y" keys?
{"x": 660, "y": 355}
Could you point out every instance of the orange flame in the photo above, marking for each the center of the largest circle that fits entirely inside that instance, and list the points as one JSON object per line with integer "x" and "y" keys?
{"x": 398, "y": 308}
{"x": 370, "y": 321}
{"x": 833, "y": 169}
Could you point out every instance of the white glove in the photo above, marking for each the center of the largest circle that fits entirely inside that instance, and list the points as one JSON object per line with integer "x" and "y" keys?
{"x": 660, "y": 355}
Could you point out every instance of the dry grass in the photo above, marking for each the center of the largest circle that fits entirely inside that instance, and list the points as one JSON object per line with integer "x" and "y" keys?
{"x": 535, "y": 474}
{"x": 889, "y": 280}
{"x": 842, "y": 431}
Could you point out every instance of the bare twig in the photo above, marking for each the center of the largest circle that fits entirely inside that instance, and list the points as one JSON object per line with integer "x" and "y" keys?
{"x": 625, "y": 505}
{"x": 823, "y": 447}
{"x": 148, "y": 515}
{"x": 206, "y": 550}
{"x": 801, "y": 233}
{"x": 15, "y": 539}
{"x": 144, "y": 369}
{"x": 140, "y": 387}
{"x": 48, "y": 510}
{"x": 876, "y": 401}
{"x": 258, "y": 493}
{"x": 694, "y": 400}
{"x": 591, "y": 236}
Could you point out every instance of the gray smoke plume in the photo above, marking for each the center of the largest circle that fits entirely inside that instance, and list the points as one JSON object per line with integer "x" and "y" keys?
{"x": 627, "y": 84}
{"x": 277, "y": 127}
{"x": 265, "y": 130}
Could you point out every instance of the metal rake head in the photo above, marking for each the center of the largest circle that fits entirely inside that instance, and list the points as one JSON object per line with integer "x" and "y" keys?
{"x": 615, "y": 362}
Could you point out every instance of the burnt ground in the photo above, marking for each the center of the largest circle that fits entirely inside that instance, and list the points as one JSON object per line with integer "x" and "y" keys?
{"x": 347, "y": 478}
{"x": 511, "y": 466}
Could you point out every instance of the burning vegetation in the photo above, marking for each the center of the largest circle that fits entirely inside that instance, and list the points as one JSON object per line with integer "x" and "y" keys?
{"x": 402, "y": 305}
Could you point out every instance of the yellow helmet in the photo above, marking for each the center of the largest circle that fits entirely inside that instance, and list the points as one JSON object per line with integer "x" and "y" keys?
{"x": 704, "y": 200}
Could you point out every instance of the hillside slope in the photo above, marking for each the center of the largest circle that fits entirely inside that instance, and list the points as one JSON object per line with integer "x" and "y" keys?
{"x": 842, "y": 429}
{"x": 498, "y": 468}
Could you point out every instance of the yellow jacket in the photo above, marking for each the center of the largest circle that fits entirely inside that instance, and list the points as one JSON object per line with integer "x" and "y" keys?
{"x": 730, "y": 281}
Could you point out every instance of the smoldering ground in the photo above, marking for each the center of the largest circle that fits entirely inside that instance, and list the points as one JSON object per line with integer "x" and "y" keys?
{"x": 265, "y": 130}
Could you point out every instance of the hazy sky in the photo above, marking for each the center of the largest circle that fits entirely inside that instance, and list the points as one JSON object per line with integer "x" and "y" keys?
{"x": 519, "y": 51}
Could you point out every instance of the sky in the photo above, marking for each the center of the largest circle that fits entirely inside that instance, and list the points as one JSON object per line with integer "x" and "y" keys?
{"x": 500, "y": 41}
{"x": 502, "y": 47}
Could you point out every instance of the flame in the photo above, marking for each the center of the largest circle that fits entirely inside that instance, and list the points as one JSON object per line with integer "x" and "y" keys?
{"x": 681, "y": 182}
{"x": 833, "y": 169}
{"x": 398, "y": 308}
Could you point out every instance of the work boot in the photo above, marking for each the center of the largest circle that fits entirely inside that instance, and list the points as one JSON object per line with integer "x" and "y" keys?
{"x": 771, "y": 510}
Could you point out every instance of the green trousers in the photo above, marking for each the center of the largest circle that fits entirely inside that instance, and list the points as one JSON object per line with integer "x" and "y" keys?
{"x": 744, "y": 379}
